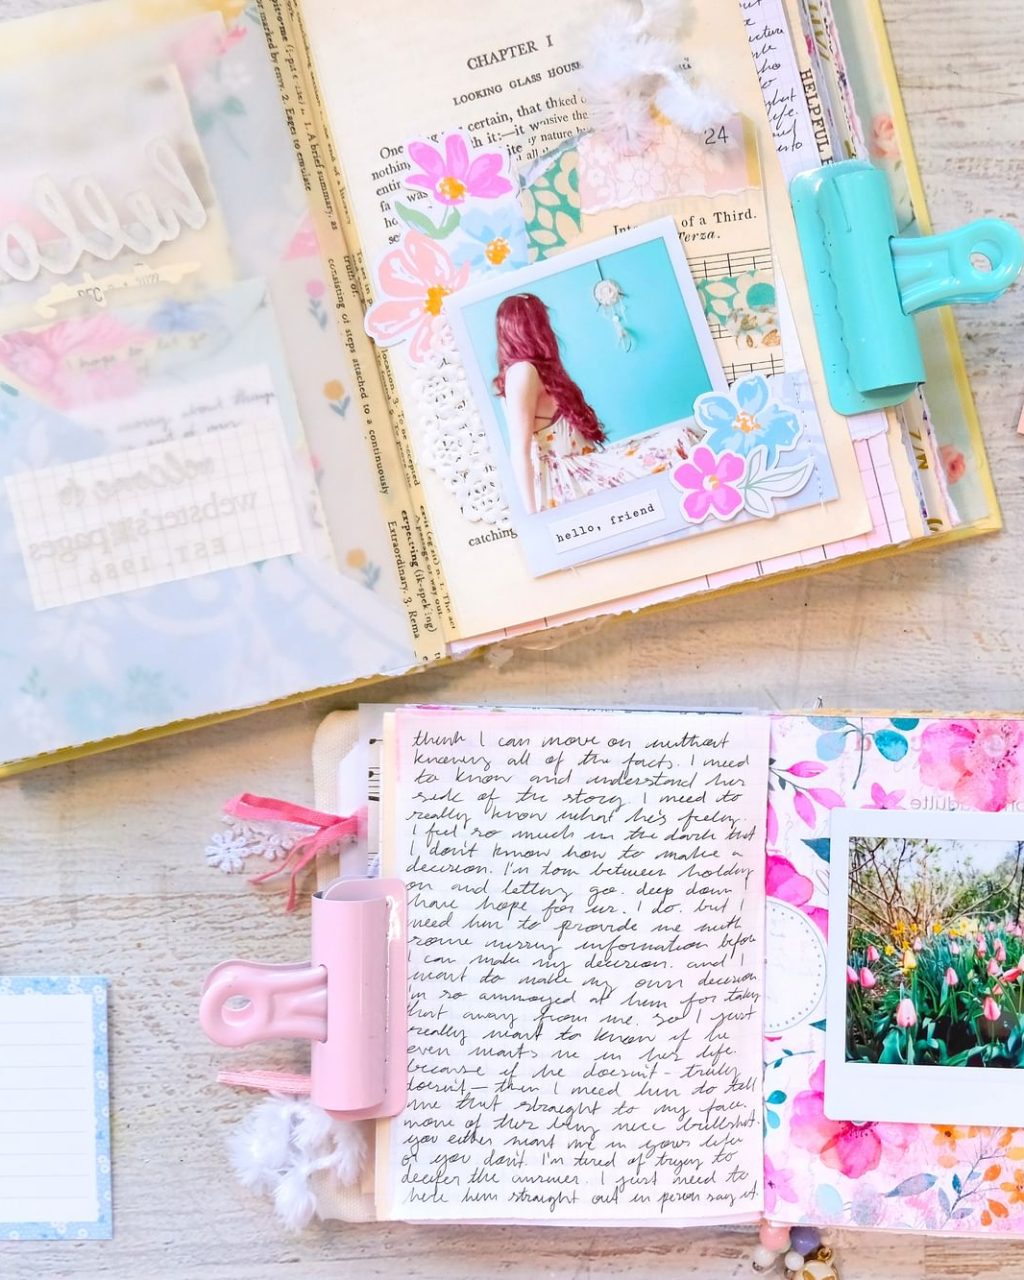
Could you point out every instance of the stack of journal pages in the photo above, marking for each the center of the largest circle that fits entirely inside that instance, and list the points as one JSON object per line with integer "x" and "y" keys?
{"x": 317, "y": 365}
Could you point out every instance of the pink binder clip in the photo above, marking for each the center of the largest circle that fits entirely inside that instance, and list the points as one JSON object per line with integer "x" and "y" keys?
{"x": 349, "y": 1001}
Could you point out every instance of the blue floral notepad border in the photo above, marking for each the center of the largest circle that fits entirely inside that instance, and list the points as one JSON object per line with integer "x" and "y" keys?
{"x": 101, "y": 1227}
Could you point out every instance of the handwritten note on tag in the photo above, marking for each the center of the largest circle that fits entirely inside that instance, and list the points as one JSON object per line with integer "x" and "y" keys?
{"x": 781, "y": 86}
{"x": 585, "y": 944}
{"x": 138, "y": 517}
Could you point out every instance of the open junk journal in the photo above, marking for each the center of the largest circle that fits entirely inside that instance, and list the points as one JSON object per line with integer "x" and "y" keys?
{"x": 334, "y": 345}
{"x": 663, "y": 968}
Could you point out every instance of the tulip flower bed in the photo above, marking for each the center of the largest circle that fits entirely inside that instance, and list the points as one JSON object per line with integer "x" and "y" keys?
{"x": 928, "y": 983}
{"x": 955, "y": 998}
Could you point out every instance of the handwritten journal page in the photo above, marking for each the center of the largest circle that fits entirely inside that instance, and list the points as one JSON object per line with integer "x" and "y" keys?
{"x": 585, "y": 946}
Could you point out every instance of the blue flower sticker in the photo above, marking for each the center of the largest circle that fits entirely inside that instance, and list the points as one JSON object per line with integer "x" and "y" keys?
{"x": 746, "y": 416}
{"x": 492, "y": 238}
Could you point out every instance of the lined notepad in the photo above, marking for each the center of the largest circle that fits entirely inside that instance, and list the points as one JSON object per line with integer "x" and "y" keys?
{"x": 54, "y": 1109}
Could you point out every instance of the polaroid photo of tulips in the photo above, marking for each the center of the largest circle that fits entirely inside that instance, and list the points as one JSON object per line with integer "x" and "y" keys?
{"x": 925, "y": 1002}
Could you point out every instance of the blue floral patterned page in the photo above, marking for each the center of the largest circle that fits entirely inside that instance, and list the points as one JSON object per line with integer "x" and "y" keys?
{"x": 54, "y": 1109}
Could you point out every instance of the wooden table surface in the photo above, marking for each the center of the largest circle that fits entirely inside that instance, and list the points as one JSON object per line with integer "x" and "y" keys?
{"x": 103, "y": 859}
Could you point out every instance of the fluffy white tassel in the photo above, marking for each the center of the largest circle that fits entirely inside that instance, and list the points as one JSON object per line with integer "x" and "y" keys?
{"x": 259, "y": 1147}
{"x": 294, "y": 1198}
{"x": 630, "y": 68}
{"x": 349, "y": 1152}
{"x": 283, "y": 1142}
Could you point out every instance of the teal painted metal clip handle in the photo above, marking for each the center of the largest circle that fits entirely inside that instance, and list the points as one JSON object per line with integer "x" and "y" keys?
{"x": 866, "y": 281}
{"x": 932, "y": 271}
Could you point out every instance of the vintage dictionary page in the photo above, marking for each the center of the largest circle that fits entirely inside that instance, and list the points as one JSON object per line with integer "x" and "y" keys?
{"x": 586, "y": 909}
{"x": 507, "y": 74}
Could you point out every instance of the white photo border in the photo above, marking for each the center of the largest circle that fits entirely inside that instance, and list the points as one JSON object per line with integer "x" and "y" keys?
{"x": 863, "y": 1092}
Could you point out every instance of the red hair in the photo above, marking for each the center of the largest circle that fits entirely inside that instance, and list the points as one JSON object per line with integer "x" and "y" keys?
{"x": 525, "y": 334}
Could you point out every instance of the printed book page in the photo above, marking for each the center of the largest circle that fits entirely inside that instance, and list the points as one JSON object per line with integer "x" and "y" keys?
{"x": 586, "y": 898}
{"x": 513, "y": 84}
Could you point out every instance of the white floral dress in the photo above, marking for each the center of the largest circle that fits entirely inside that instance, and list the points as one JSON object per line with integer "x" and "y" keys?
{"x": 567, "y": 467}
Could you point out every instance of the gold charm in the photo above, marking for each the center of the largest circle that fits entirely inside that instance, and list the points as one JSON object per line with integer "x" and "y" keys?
{"x": 820, "y": 1266}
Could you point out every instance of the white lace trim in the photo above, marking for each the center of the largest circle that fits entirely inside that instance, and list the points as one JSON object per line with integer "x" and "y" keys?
{"x": 228, "y": 850}
{"x": 451, "y": 437}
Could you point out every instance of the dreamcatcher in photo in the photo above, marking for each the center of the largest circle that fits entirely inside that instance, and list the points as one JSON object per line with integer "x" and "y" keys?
{"x": 611, "y": 302}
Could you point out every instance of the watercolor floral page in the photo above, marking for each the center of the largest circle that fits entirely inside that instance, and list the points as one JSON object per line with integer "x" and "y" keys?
{"x": 902, "y": 1177}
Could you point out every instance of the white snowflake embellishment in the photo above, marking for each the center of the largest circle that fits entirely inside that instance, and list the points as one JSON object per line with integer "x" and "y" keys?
{"x": 227, "y": 851}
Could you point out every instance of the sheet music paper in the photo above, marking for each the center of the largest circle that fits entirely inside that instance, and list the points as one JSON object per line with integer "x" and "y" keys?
{"x": 585, "y": 943}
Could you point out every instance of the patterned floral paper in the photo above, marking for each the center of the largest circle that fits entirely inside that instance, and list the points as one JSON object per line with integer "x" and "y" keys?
{"x": 903, "y": 1177}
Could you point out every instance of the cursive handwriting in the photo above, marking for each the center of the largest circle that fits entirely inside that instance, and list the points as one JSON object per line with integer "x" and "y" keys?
{"x": 585, "y": 896}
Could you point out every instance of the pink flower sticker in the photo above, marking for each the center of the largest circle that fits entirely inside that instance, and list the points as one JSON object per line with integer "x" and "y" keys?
{"x": 711, "y": 482}
{"x": 415, "y": 279}
{"x": 450, "y": 176}
{"x": 981, "y": 762}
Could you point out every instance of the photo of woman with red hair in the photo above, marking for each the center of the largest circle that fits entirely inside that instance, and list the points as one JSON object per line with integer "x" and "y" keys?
{"x": 555, "y": 439}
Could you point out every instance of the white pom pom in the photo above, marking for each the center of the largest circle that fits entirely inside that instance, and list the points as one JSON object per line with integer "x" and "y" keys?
{"x": 294, "y": 1199}
{"x": 690, "y": 108}
{"x": 311, "y": 1129}
{"x": 349, "y": 1151}
{"x": 259, "y": 1146}
{"x": 668, "y": 19}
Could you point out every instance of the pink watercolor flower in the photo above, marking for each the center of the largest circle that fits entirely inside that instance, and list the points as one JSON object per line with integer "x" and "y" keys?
{"x": 990, "y": 1010}
{"x": 994, "y": 968}
{"x": 61, "y": 361}
{"x": 883, "y": 144}
{"x": 954, "y": 948}
{"x": 784, "y": 882}
{"x": 872, "y": 954}
{"x": 778, "y": 1185}
{"x": 851, "y": 1149}
{"x": 851, "y": 975}
{"x": 882, "y": 799}
{"x": 415, "y": 279}
{"x": 906, "y": 1013}
{"x": 918, "y": 945}
{"x": 981, "y": 947}
{"x": 954, "y": 464}
{"x": 452, "y": 176}
{"x": 1012, "y": 975}
{"x": 867, "y": 979}
{"x": 951, "y": 979}
{"x": 999, "y": 951}
{"x": 980, "y": 761}
{"x": 303, "y": 243}
{"x": 711, "y": 481}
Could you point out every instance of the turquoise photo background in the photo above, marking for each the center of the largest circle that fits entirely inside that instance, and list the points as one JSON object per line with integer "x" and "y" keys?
{"x": 654, "y": 383}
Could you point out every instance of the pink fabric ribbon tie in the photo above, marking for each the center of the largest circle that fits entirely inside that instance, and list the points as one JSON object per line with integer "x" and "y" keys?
{"x": 329, "y": 828}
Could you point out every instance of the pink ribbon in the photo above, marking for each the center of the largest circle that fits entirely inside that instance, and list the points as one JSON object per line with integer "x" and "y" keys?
{"x": 329, "y": 829}
{"x": 267, "y": 1081}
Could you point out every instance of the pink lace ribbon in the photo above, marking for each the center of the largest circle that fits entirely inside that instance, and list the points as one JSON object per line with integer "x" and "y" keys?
{"x": 330, "y": 828}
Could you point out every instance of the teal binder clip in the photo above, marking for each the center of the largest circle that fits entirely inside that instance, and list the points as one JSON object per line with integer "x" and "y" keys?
{"x": 866, "y": 281}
